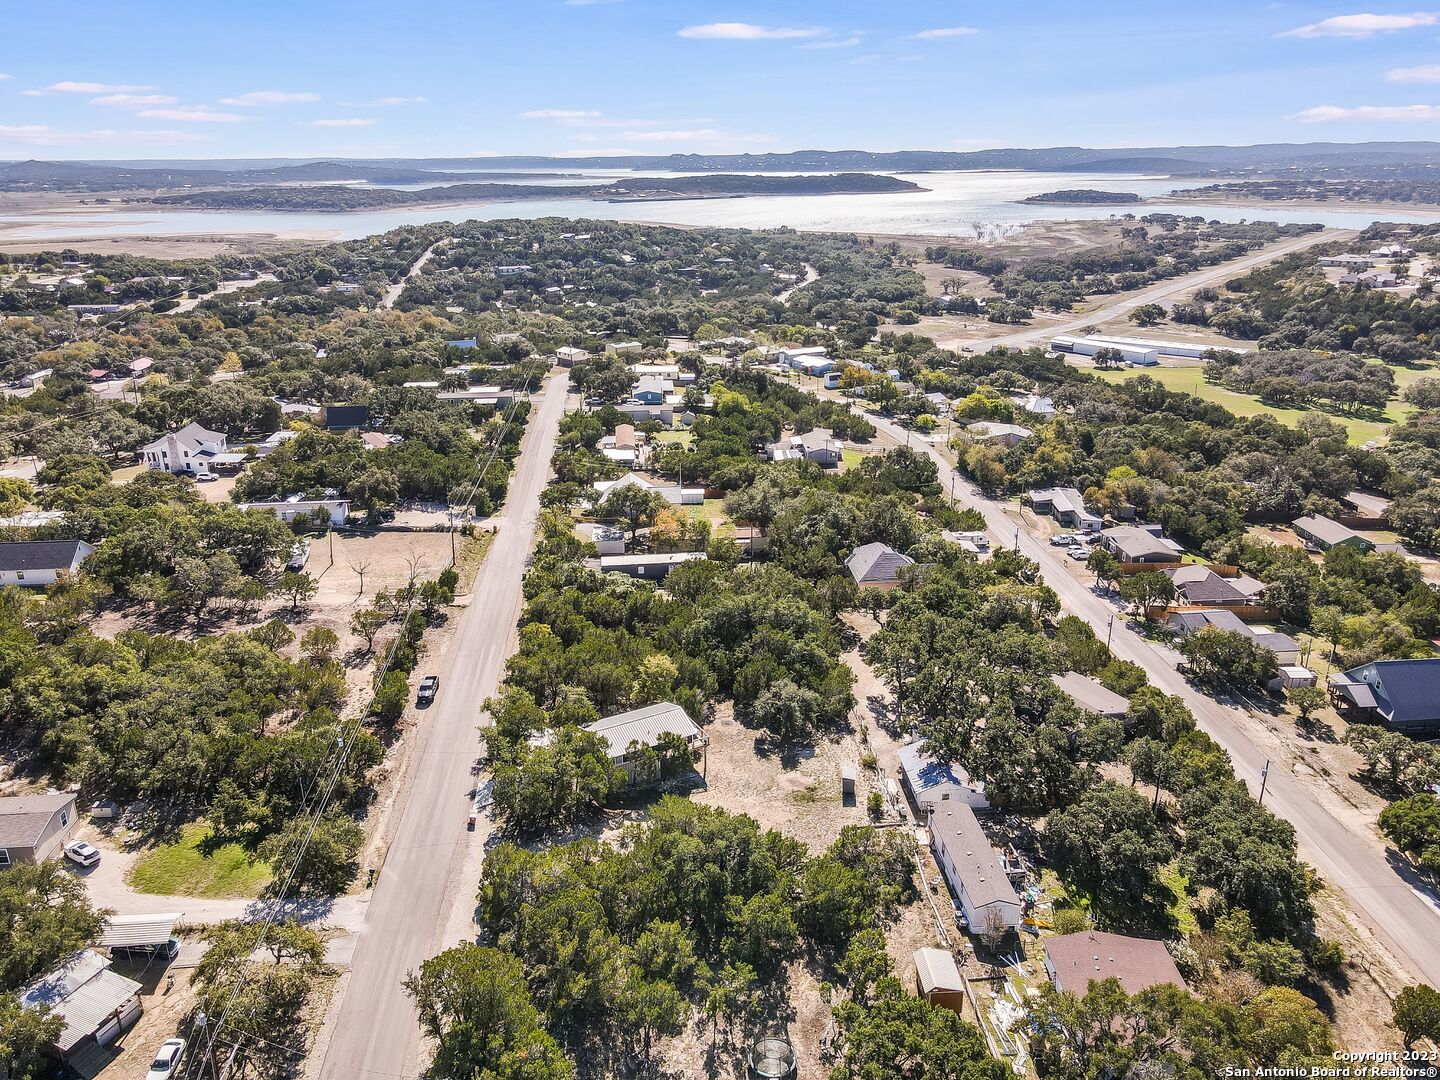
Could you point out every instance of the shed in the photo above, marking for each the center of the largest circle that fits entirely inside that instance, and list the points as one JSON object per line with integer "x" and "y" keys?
{"x": 95, "y": 1003}
{"x": 938, "y": 980}
{"x": 848, "y": 775}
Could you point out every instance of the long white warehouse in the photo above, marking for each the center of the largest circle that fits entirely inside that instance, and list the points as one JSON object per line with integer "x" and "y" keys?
{"x": 1144, "y": 352}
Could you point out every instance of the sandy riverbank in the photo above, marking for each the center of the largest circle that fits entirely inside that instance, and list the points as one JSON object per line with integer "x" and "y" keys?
{"x": 1233, "y": 202}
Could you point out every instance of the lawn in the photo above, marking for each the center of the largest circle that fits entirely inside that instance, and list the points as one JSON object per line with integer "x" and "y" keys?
{"x": 850, "y": 457}
{"x": 195, "y": 866}
{"x": 1191, "y": 380}
{"x": 679, "y": 438}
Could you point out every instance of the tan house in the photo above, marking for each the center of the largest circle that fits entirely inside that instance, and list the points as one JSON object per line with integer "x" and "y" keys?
{"x": 1074, "y": 961}
{"x": 34, "y": 827}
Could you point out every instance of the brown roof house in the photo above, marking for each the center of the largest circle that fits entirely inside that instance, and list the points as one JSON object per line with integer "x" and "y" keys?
{"x": 1074, "y": 961}
{"x": 34, "y": 827}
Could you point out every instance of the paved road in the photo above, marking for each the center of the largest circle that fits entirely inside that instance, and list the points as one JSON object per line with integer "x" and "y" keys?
{"x": 1153, "y": 294}
{"x": 393, "y": 292}
{"x": 376, "y": 1024}
{"x": 1389, "y": 898}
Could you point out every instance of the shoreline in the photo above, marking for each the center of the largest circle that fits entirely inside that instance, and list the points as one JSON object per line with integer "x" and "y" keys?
{"x": 1343, "y": 206}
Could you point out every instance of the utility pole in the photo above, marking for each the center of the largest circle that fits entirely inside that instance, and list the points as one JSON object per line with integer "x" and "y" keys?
{"x": 1264, "y": 779}
{"x": 1109, "y": 630}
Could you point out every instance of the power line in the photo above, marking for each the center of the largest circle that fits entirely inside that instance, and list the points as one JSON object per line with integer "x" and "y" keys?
{"x": 344, "y": 745}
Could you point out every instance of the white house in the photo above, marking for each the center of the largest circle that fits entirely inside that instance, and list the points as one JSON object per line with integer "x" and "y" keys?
{"x": 39, "y": 563}
{"x": 289, "y": 509}
{"x": 623, "y": 347}
{"x": 981, "y": 886}
{"x": 187, "y": 451}
{"x": 674, "y": 494}
{"x": 569, "y": 355}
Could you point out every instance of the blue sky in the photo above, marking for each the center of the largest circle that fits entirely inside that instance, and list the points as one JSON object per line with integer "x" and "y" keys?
{"x": 142, "y": 79}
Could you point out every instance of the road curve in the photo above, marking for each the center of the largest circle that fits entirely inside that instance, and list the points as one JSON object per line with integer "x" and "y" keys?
{"x": 376, "y": 1024}
{"x": 1381, "y": 891}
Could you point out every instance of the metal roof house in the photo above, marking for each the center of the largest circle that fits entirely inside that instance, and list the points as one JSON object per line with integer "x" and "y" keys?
{"x": 877, "y": 565}
{"x": 652, "y": 567}
{"x": 1074, "y": 961}
{"x": 1089, "y": 695}
{"x": 1132, "y": 544}
{"x": 95, "y": 1003}
{"x": 345, "y": 417}
{"x": 928, "y": 781}
{"x": 1285, "y": 648}
{"x": 1402, "y": 694}
{"x": 1326, "y": 533}
{"x": 1065, "y": 505}
{"x": 645, "y": 726}
{"x": 40, "y": 562}
{"x": 992, "y": 431}
{"x": 33, "y": 827}
{"x": 189, "y": 450}
{"x": 970, "y": 865}
{"x": 287, "y": 510}
{"x": 818, "y": 445}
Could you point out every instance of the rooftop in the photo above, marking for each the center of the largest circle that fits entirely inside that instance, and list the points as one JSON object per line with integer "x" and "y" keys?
{"x": 876, "y": 563}
{"x": 1091, "y": 955}
{"x": 1090, "y": 695}
{"x": 23, "y": 555}
{"x": 645, "y": 726}
{"x": 956, "y": 828}
{"x": 24, "y": 817}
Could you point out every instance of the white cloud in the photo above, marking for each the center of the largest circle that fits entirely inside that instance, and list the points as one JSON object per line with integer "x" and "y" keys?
{"x": 944, "y": 32}
{"x": 194, "y": 114}
{"x": 134, "y": 101}
{"x": 87, "y": 88}
{"x": 588, "y": 3}
{"x": 271, "y": 97}
{"x": 44, "y": 135}
{"x": 386, "y": 102}
{"x": 3, "y": 76}
{"x": 1327, "y": 113}
{"x": 1363, "y": 25}
{"x": 342, "y": 122}
{"x": 739, "y": 31}
{"x": 1426, "y": 73}
{"x": 562, "y": 115}
{"x": 833, "y": 43}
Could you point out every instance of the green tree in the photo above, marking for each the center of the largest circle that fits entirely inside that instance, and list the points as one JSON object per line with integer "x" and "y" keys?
{"x": 475, "y": 1005}
{"x": 323, "y": 857}
{"x": 45, "y": 917}
{"x": 902, "y": 1037}
{"x": 26, "y": 1036}
{"x": 633, "y": 505}
{"x": 297, "y": 588}
{"x": 1417, "y": 1014}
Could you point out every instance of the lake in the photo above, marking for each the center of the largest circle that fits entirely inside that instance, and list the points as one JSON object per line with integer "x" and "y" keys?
{"x": 983, "y": 204}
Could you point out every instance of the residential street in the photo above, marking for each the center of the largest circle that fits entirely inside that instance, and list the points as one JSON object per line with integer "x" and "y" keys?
{"x": 1164, "y": 290}
{"x": 1385, "y": 893}
{"x": 393, "y": 292}
{"x": 376, "y": 1024}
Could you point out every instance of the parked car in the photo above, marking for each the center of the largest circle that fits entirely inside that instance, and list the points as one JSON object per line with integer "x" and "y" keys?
{"x": 81, "y": 853}
{"x": 1062, "y": 539}
{"x": 166, "y": 950}
{"x": 206, "y": 477}
{"x": 167, "y": 1060}
{"x": 428, "y": 687}
{"x": 1078, "y": 552}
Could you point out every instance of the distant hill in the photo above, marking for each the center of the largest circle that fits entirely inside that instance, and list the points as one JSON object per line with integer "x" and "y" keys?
{"x": 1401, "y": 161}
{"x": 350, "y": 197}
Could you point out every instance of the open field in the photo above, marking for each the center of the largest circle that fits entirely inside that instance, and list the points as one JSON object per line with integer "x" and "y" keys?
{"x": 194, "y": 865}
{"x": 1191, "y": 380}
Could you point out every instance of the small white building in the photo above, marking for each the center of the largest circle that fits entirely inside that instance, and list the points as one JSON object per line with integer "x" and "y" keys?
{"x": 623, "y": 347}
{"x": 288, "y": 510}
{"x": 37, "y": 563}
{"x": 569, "y": 355}
{"x": 188, "y": 451}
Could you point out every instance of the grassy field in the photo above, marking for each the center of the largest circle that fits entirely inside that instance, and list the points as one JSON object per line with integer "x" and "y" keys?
{"x": 195, "y": 866}
{"x": 1191, "y": 380}
{"x": 680, "y": 438}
